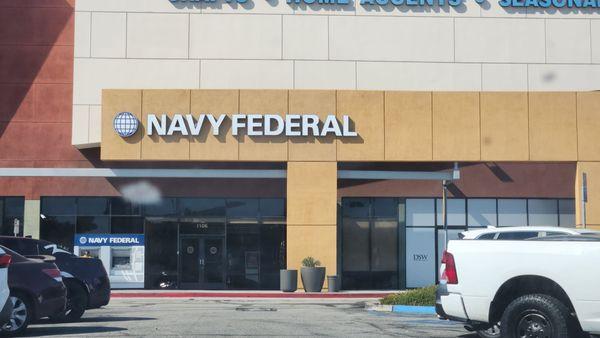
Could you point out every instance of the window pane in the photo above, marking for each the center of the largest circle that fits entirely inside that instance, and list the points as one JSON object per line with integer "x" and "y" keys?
{"x": 517, "y": 235}
{"x": 161, "y": 254}
{"x": 55, "y": 206}
{"x": 355, "y": 207}
{"x": 126, "y": 225}
{"x": 202, "y": 207}
{"x": 14, "y": 206}
{"x": 384, "y": 246}
{"x": 420, "y": 257}
{"x": 93, "y": 225}
{"x": 385, "y": 207}
{"x": 482, "y": 212}
{"x": 455, "y": 211}
{"x": 92, "y": 206}
{"x": 243, "y": 207}
{"x": 120, "y": 207}
{"x": 543, "y": 212}
{"x": 420, "y": 212}
{"x": 272, "y": 207}
{"x": 59, "y": 230}
{"x": 356, "y": 245}
{"x": 166, "y": 207}
{"x": 566, "y": 208}
{"x": 512, "y": 212}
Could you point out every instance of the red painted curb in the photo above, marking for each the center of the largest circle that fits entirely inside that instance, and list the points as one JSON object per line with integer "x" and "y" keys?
{"x": 242, "y": 295}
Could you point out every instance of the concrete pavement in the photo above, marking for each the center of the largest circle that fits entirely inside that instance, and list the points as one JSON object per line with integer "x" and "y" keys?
{"x": 178, "y": 317}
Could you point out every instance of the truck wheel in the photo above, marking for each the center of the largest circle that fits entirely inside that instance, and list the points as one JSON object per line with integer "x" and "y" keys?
{"x": 76, "y": 304}
{"x": 535, "y": 315}
{"x": 492, "y": 332}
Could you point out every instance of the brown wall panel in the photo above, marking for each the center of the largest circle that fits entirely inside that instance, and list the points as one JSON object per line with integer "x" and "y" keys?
{"x": 170, "y": 102}
{"x": 310, "y": 148}
{"x": 456, "y": 126}
{"x": 206, "y": 146}
{"x": 408, "y": 126}
{"x": 504, "y": 127}
{"x": 262, "y": 148}
{"x": 365, "y": 109}
{"x": 311, "y": 190}
{"x": 552, "y": 126}
{"x": 588, "y": 126}
{"x": 115, "y": 147}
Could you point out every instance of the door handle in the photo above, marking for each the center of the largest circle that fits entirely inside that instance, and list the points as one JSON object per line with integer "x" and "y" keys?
{"x": 202, "y": 262}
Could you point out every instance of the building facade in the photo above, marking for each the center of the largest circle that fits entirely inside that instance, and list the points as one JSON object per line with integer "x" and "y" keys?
{"x": 209, "y": 144}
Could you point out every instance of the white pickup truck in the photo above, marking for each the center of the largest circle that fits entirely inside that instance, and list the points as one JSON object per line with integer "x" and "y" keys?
{"x": 547, "y": 287}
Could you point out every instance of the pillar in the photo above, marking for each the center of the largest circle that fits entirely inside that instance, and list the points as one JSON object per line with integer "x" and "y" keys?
{"x": 312, "y": 214}
{"x": 31, "y": 218}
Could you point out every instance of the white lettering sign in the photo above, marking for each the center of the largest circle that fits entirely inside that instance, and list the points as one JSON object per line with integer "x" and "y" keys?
{"x": 292, "y": 125}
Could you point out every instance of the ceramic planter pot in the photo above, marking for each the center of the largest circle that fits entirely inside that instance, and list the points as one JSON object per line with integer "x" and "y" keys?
{"x": 313, "y": 278}
{"x": 288, "y": 280}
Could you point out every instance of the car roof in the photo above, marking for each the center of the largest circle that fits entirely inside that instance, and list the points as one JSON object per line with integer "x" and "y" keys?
{"x": 572, "y": 231}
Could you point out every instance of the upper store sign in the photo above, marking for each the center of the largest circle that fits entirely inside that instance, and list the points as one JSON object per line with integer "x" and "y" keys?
{"x": 426, "y": 3}
{"x": 126, "y": 124}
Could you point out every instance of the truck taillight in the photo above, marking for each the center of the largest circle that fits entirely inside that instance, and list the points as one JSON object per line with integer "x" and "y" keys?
{"x": 449, "y": 274}
{"x": 5, "y": 261}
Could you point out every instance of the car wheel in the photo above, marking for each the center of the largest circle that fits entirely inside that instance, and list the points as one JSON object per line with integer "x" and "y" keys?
{"x": 76, "y": 304}
{"x": 20, "y": 316}
{"x": 535, "y": 316}
{"x": 492, "y": 332}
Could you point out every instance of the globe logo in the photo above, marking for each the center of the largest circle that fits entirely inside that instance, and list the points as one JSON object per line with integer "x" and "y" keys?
{"x": 125, "y": 124}
{"x": 82, "y": 240}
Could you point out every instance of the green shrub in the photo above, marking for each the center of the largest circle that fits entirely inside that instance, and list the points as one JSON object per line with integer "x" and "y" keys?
{"x": 310, "y": 262}
{"x": 421, "y": 297}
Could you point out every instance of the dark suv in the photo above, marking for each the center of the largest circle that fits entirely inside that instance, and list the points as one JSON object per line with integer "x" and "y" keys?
{"x": 88, "y": 286}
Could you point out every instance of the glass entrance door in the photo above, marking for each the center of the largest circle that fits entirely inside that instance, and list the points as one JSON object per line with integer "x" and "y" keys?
{"x": 201, "y": 262}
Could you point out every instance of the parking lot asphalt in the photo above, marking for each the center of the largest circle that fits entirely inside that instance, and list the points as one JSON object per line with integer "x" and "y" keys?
{"x": 198, "y": 317}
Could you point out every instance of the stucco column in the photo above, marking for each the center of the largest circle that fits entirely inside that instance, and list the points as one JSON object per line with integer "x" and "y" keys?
{"x": 592, "y": 169}
{"x": 31, "y": 218}
{"x": 312, "y": 214}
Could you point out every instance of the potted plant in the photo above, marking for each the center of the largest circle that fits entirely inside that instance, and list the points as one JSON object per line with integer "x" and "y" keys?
{"x": 312, "y": 274}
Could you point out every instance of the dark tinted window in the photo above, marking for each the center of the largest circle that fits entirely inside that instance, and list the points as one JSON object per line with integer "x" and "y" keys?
{"x": 385, "y": 207}
{"x": 517, "y": 235}
{"x": 28, "y": 247}
{"x": 355, "y": 207}
{"x": 243, "y": 207}
{"x": 166, "y": 207}
{"x": 127, "y": 225}
{"x": 56, "y": 206}
{"x": 487, "y": 236}
{"x": 59, "y": 230}
{"x": 93, "y": 225}
{"x": 93, "y": 206}
{"x": 11, "y": 208}
{"x": 272, "y": 207}
{"x": 202, "y": 207}
{"x": 120, "y": 207}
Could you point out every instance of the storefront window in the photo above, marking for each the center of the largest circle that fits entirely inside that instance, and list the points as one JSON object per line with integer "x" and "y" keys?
{"x": 370, "y": 242}
{"x": 93, "y": 225}
{"x": 93, "y": 206}
{"x": 242, "y": 208}
{"x": 126, "y": 225}
{"x": 11, "y": 208}
{"x": 59, "y": 230}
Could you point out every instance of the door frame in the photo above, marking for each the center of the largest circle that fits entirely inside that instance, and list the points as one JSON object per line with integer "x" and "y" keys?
{"x": 201, "y": 285}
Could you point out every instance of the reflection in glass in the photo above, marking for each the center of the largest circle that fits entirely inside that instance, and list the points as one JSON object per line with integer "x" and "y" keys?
{"x": 161, "y": 254}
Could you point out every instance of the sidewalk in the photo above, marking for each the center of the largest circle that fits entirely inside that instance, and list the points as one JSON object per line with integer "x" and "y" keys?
{"x": 375, "y": 294}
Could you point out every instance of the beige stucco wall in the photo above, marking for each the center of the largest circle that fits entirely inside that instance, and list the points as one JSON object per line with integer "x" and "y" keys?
{"x": 391, "y": 126}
